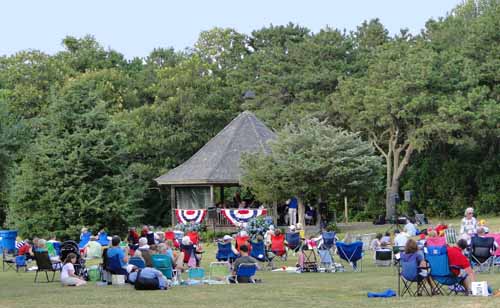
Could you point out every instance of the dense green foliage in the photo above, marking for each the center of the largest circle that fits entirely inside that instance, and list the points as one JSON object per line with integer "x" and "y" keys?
{"x": 84, "y": 131}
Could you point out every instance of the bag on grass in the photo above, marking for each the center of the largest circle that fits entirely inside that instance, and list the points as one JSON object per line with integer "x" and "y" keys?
{"x": 142, "y": 283}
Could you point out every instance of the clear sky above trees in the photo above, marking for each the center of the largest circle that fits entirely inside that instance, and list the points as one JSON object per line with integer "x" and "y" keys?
{"x": 136, "y": 27}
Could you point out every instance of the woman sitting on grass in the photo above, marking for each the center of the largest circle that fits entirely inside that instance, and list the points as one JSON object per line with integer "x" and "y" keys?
{"x": 68, "y": 277}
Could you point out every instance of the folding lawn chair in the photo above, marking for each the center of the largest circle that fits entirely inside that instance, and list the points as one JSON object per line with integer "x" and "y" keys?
{"x": 496, "y": 254}
{"x": 278, "y": 249}
{"x": 352, "y": 253}
{"x": 451, "y": 236}
{"x": 224, "y": 252}
{"x": 292, "y": 240}
{"x": 164, "y": 264}
{"x": 383, "y": 257}
{"x": 481, "y": 253}
{"x": 326, "y": 260}
{"x": 327, "y": 240}
{"x": 103, "y": 239}
{"x": 219, "y": 271}
{"x": 21, "y": 262}
{"x": 408, "y": 275}
{"x": 44, "y": 264}
{"x": 259, "y": 251}
{"x": 8, "y": 260}
{"x": 137, "y": 261}
{"x": 309, "y": 260}
{"x": 245, "y": 272}
{"x": 196, "y": 274}
{"x": 440, "y": 271}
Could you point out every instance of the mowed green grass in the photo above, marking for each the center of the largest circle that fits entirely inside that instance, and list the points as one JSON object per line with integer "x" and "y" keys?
{"x": 278, "y": 289}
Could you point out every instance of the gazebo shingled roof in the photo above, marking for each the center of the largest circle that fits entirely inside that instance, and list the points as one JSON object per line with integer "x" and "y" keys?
{"x": 218, "y": 161}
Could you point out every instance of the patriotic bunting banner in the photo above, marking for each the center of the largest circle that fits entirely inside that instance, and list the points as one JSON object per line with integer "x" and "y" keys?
{"x": 241, "y": 216}
{"x": 187, "y": 216}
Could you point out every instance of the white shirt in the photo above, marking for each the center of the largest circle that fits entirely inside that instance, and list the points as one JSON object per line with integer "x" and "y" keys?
{"x": 410, "y": 228}
{"x": 66, "y": 270}
{"x": 400, "y": 240}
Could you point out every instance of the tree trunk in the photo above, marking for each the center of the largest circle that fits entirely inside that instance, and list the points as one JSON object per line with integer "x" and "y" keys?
{"x": 301, "y": 213}
{"x": 395, "y": 166}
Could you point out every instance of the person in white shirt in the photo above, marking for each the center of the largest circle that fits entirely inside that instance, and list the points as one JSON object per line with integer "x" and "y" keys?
{"x": 410, "y": 229}
{"x": 68, "y": 277}
{"x": 468, "y": 226}
{"x": 400, "y": 238}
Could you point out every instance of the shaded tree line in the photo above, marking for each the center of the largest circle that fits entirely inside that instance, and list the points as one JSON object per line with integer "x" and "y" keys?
{"x": 84, "y": 131}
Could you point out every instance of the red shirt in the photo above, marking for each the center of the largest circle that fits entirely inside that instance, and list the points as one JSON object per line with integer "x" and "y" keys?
{"x": 24, "y": 249}
{"x": 456, "y": 258}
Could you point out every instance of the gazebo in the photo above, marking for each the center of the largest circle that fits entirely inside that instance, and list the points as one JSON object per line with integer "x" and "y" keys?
{"x": 216, "y": 165}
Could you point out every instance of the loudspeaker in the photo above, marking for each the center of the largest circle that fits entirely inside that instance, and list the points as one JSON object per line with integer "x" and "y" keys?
{"x": 212, "y": 213}
{"x": 408, "y": 195}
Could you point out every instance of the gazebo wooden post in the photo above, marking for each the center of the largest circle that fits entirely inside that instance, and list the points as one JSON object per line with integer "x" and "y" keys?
{"x": 173, "y": 203}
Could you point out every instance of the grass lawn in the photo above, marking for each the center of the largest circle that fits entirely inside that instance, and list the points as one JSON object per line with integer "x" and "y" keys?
{"x": 346, "y": 289}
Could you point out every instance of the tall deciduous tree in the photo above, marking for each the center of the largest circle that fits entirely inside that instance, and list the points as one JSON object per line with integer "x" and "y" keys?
{"x": 308, "y": 160}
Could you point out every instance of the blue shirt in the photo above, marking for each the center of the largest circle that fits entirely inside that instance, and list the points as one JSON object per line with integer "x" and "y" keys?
{"x": 293, "y": 203}
{"x": 113, "y": 251}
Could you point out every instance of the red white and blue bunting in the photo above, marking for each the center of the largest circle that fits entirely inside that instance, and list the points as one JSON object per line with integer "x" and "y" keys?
{"x": 236, "y": 217}
{"x": 188, "y": 216}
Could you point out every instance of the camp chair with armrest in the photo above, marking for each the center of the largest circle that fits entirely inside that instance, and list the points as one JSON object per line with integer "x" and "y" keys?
{"x": 481, "y": 253}
{"x": 225, "y": 252}
{"x": 440, "y": 270}
{"x": 383, "y": 257}
{"x": 44, "y": 264}
{"x": 137, "y": 261}
{"x": 246, "y": 270}
{"x": 164, "y": 264}
{"x": 259, "y": 251}
{"x": 21, "y": 262}
{"x": 196, "y": 274}
{"x": 408, "y": 275}
{"x": 292, "y": 240}
{"x": 103, "y": 239}
{"x": 219, "y": 271}
{"x": 352, "y": 253}
{"x": 8, "y": 260}
{"x": 243, "y": 240}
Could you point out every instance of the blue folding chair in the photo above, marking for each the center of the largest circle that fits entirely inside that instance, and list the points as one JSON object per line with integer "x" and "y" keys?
{"x": 259, "y": 251}
{"x": 408, "y": 273}
{"x": 437, "y": 257}
{"x": 224, "y": 252}
{"x": 137, "y": 261}
{"x": 196, "y": 275}
{"x": 292, "y": 240}
{"x": 84, "y": 240}
{"x": 352, "y": 253}
{"x": 21, "y": 262}
{"x": 328, "y": 240}
{"x": 103, "y": 239}
{"x": 246, "y": 270}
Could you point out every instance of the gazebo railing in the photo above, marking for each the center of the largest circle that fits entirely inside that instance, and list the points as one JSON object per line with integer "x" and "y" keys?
{"x": 220, "y": 220}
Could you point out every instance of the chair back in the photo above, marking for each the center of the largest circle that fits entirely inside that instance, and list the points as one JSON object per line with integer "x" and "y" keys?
{"x": 435, "y": 241}
{"x": 292, "y": 239}
{"x": 103, "y": 239}
{"x": 151, "y": 238}
{"x": 278, "y": 244}
{"x": 170, "y": 235}
{"x": 409, "y": 266}
{"x": 438, "y": 260}
{"x": 196, "y": 273}
{"x": 258, "y": 251}
{"x": 383, "y": 255}
{"x": 163, "y": 263}
{"x": 450, "y": 235}
{"x": 43, "y": 261}
{"x": 137, "y": 261}
{"x": 496, "y": 236}
{"x": 113, "y": 264}
{"x": 350, "y": 252}
{"x": 328, "y": 240}
{"x": 481, "y": 247}
{"x": 246, "y": 270}
{"x": 224, "y": 252}
{"x": 84, "y": 239}
{"x": 194, "y": 237}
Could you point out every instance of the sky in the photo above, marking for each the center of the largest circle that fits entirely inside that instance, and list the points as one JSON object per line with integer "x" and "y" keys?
{"x": 135, "y": 28}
